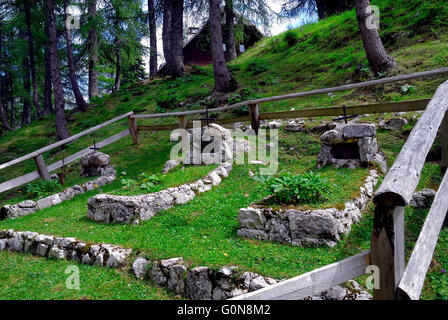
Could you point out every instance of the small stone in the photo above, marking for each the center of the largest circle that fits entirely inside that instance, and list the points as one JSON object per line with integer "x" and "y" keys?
{"x": 116, "y": 258}
{"x": 158, "y": 276}
{"x": 44, "y": 203}
{"x": 176, "y": 282}
{"x": 56, "y": 253}
{"x": 169, "y": 165}
{"x": 139, "y": 267}
{"x": 258, "y": 283}
{"x": 219, "y": 294}
{"x": 332, "y": 137}
{"x": 86, "y": 259}
{"x": 394, "y": 124}
{"x": 3, "y": 243}
{"x": 199, "y": 285}
{"x": 99, "y": 260}
{"x": 27, "y": 204}
{"x": 42, "y": 250}
{"x": 359, "y": 130}
{"x": 251, "y": 218}
{"x": 16, "y": 243}
{"x": 171, "y": 262}
{"x": 423, "y": 199}
{"x": 336, "y": 293}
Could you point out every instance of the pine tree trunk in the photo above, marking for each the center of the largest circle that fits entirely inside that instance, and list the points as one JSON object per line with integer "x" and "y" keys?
{"x": 80, "y": 102}
{"x": 3, "y": 116}
{"x": 173, "y": 36}
{"x": 117, "y": 66}
{"x": 26, "y": 111}
{"x": 48, "y": 95}
{"x": 321, "y": 9}
{"x": 152, "y": 39}
{"x": 177, "y": 38}
{"x": 166, "y": 31}
{"x": 377, "y": 56}
{"x": 223, "y": 80}
{"x": 59, "y": 103}
{"x": 32, "y": 61}
{"x": 230, "y": 36}
{"x": 92, "y": 44}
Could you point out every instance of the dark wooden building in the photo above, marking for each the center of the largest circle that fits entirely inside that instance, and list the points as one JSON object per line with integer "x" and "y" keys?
{"x": 197, "y": 50}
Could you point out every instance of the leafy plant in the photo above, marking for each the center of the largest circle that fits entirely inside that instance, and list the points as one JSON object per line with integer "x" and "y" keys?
{"x": 407, "y": 89}
{"x": 144, "y": 182}
{"x": 42, "y": 188}
{"x": 287, "y": 188}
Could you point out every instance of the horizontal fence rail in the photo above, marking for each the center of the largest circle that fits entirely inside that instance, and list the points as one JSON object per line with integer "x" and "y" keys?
{"x": 43, "y": 170}
{"x": 301, "y": 94}
{"x": 17, "y": 182}
{"x": 404, "y": 175}
{"x": 314, "y": 282}
{"x": 403, "y": 106}
{"x": 65, "y": 141}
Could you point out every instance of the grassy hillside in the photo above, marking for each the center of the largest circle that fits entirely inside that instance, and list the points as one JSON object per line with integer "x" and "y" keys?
{"x": 318, "y": 55}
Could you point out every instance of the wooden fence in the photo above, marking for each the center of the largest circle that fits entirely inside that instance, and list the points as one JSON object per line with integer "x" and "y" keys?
{"x": 397, "y": 281}
{"x": 387, "y": 249}
{"x": 43, "y": 170}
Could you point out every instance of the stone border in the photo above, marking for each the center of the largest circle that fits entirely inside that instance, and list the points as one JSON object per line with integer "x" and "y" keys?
{"x": 63, "y": 248}
{"x": 134, "y": 209}
{"x": 199, "y": 283}
{"x": 305, "y": 228}
{"x": 27, "y": 207}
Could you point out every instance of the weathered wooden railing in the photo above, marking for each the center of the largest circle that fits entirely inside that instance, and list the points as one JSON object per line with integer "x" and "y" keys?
{"x": 43, "y": 170}
{"x": 253, "y": 107}
{"x": 395, "y": 192}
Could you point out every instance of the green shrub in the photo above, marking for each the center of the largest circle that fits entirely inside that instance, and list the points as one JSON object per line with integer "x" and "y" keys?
{"x": 144, "y": 182}
{"x": 287, "y": 188}
{"x": 291, "y": 37}
{"x": 42, "y": 188}
{"x": 256, "y": 67}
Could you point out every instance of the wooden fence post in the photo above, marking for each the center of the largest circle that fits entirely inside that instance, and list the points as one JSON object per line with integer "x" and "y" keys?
{"x": 183, "y": 122}
{"x": 254, "y": 117}
{"x": 387, "y": 249}
{"x": 42, "y": 167}
{"x": 444, "y": 143}
{"x": 133, "y": 130}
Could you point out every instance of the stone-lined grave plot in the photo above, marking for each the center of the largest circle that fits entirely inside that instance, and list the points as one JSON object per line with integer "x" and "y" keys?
{"x": 134, "y": 209}
{"x": 210, "y": 144}
{"x": 93, "y": 164}
{"x": 304, "y": 227}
